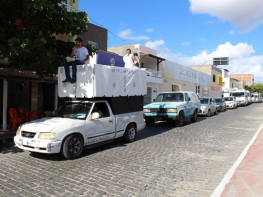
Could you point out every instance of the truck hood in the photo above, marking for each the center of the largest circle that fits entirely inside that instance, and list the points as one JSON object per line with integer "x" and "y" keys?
{"x": 207, "y": 105}
{"x": 46, "y": 124}
{"x": 164, "y": 105}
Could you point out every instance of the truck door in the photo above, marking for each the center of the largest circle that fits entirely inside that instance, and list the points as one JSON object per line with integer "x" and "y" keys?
{"x": 100, "y": 129}
{"x": 189, "y": 106}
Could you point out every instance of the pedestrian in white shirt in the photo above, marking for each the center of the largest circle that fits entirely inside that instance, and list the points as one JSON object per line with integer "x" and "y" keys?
{"x": 129, "y": 59}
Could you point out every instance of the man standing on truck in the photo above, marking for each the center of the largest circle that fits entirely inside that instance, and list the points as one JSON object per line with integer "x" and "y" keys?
{"x": 81, "y": 55}
{"x": 128, "y": 59}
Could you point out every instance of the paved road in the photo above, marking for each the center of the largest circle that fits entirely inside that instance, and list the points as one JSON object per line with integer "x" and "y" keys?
{"x": 164, "y": 161}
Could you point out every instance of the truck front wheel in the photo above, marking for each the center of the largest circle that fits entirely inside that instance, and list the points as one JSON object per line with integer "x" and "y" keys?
{"x": 72, "y": 147}
{"x": 130, "y": 133}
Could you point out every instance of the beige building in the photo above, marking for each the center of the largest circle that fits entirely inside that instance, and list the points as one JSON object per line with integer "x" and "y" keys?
{"x": 215, "y": 83}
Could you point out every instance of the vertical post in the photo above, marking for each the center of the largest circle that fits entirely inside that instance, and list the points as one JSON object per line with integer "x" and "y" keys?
{"x": 56, "y": 97}
{"x": 158, "y": 64}
{"x": 5, "y": 86}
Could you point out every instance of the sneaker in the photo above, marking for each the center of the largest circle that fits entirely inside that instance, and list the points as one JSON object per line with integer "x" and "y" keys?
{"x": 66, "y": 80}
{"x": 72, "y": 80}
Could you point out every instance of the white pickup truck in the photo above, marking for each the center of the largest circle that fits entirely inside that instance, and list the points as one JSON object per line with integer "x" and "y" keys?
{"x": 77, "y": 125}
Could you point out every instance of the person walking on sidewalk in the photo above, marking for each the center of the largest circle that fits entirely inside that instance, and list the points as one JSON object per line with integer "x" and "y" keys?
{"x": 81, "y": 55}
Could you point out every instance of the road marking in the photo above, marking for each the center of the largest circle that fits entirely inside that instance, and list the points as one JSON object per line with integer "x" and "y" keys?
{"x": 220, "y": 188}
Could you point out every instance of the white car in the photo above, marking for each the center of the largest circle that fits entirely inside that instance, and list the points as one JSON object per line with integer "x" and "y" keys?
{"x": 208, "y": 106}
{"x": 77, "y": 124}
{"x": 231, "y": 102}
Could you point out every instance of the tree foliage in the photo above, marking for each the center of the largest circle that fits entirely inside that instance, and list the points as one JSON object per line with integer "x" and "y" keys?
{"x": 27, "y": 29}
{"x": 255, "y": 88}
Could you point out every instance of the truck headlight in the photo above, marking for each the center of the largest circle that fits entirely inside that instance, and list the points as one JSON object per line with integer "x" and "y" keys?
{"x": 146, "y": 110}
{"x": 47, "y": 136}
{"x": 171, "y": 110}
{"x": 18, "y": 130}
{"x": 203, "y": 107}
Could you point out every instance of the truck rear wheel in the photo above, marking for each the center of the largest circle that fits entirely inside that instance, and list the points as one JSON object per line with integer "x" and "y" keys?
{"x": 194, "y": 118}
{"x": 72, "y": 147}
{"x": 130, "y": 133}
{"x": 149, "y": 122}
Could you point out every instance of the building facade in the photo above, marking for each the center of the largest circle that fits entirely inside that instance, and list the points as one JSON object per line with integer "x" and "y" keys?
{"x": 214, "y": 86}
{"x": 244, "y": 79}
{"x": 177, "y": 77}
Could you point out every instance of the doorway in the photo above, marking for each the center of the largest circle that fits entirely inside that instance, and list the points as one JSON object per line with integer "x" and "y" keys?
{"x": 176, "y": 88}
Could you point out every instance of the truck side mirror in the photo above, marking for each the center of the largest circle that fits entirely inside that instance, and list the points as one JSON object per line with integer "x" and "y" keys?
{"x": 153, "y": 100}
{"x": 189, "y": 99}
{"x": 94, "y": 116}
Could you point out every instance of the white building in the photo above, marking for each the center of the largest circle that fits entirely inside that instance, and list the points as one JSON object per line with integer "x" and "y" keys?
{"x": 229, "y": 84}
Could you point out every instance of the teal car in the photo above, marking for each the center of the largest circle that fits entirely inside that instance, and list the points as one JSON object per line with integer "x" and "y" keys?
{"x": 174, "y": 107}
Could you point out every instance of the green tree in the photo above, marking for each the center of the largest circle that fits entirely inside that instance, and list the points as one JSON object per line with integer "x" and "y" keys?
{"x": 27, "y": 29}
{"x": 258, "y": 88}
{"x": 249, "y": 88}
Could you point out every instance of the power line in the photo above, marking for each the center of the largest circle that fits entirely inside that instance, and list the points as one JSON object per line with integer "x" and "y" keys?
{"x": 110, "y": 31}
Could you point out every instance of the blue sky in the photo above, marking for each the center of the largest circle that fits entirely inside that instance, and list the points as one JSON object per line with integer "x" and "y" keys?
{"x": 188, "y": 32}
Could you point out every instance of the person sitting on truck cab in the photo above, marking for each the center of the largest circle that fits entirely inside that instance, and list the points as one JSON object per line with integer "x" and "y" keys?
{"x": 129, "y": 59}
{"x": 81, "y": 55}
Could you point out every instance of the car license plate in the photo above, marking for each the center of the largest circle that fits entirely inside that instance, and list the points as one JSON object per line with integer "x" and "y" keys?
{"x": 158, "y": 119}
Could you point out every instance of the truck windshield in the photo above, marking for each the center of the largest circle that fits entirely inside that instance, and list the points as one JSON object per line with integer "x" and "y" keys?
{"x": 174, "y": 97}
{"x": 228, "y": 98}
{"x": 238, "y": 94}
{"x": 204, "y": 100}
{"x": 73, "y": 110}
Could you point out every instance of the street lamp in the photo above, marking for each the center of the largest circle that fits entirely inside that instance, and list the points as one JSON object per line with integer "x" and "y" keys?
{"x": 198, "y": 75}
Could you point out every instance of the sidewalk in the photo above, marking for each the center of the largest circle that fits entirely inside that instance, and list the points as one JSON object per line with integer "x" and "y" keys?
{"x": 247, "y": 179}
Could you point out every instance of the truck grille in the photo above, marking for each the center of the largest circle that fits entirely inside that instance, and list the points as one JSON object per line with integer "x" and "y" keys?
{"x": 158, "y": 110}
{"x": 28, "y": 134}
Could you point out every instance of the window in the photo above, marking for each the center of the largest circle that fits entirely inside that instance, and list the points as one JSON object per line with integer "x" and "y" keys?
{"x": 186, "y": 97}
{"x": 223, "y": 84}
{"x": 102, "y": 109}
{"x": 214, "y": 78}
{"x": 198, "y": 89}
{"x": 142, "y": 65}
{"x": 93, "y": 44}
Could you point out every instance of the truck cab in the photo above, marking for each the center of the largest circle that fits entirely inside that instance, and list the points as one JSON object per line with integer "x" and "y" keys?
{"x": 174, "y": 107}
{"x": 75, "y": 125}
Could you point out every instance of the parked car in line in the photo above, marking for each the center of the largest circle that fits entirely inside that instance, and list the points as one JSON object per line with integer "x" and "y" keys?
{"x": 208, "y": 106}
{"x": 241, "y": 97}
{"x": 220, "y": 104}
{"x": 231, "y": 102}
{"x": 249, "y": 97}
{"x": 173, "y": 107}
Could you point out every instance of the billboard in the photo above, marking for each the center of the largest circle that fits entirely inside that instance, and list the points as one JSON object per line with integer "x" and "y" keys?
{"x": 110, "y": 59}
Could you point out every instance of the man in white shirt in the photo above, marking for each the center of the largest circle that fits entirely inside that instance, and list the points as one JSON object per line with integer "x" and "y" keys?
{"x": 129, "y": 59}
{"x": 81, "y": 55}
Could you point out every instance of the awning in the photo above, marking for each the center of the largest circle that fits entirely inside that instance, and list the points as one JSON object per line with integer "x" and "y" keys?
{"x": 151, "y": 55}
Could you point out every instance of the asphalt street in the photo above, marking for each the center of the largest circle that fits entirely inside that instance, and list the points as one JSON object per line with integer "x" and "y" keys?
{"x": 163, "y": 161}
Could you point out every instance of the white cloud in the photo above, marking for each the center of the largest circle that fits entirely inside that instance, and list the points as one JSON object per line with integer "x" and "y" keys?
{"x": 155, "y": 44}
{"x": 241, "y": 58}
{"x": 202, "y": 39}
{"x": 186, "y": 43}
{"x": 127, "y": 35}
{"x": 122, "y": 24}
{"x": 244, "y": 14}
{"x": 231, "y": 32}
{"x": 150, "y": 30}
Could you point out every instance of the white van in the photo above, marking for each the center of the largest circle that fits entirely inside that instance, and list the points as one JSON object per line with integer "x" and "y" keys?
{"x": 255, "y": 97}
{"x": 249, "y": 97}
{"x": 241, "y": 97}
